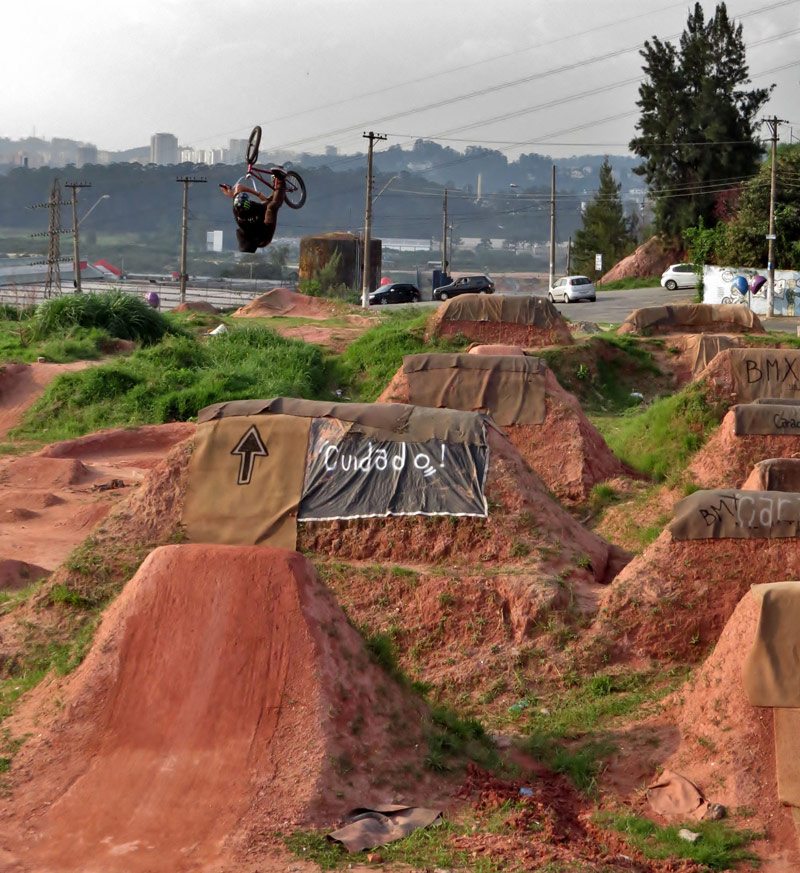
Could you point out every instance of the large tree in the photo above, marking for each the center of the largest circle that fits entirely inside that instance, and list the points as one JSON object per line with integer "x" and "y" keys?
{"x": 698, "y": 125}
{"x": 605, "y": 230}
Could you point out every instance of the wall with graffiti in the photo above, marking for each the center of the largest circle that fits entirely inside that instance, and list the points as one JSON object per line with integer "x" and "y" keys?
{"x": 720, "y": 286}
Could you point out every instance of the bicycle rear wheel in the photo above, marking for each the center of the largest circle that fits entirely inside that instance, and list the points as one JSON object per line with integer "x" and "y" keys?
{"x": 295, "y": 190}
{"x": 252, "y": 145}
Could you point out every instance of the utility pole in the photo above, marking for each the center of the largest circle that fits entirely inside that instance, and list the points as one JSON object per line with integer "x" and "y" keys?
{"x": 76, "y": 255}
{"x": 186, "y": 180}
{"x": 53, "y": 232}
{"x": 569, "y": 256}
{"x": 773, "y": 127}
{"x": 552, "y": 225}
{"x": 367, "y": 274}
{"x": 444, "y": 235}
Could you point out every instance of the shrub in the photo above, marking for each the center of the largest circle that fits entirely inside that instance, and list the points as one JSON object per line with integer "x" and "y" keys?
{"x": 121, "y": 315}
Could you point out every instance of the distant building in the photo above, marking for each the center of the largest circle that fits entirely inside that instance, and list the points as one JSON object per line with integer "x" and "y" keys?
{"x": 87, "y": 154}
{"x": 236, "y": 152}
{"x": 213, "y": 240}
{"x": 163, "y": 149}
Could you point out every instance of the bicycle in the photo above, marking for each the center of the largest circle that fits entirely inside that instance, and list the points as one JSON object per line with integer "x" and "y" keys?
{"x": 295, "y": 189}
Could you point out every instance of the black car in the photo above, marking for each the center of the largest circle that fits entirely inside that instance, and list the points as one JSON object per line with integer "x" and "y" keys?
{"x": 464, "y": 285}
{"x": 397, "y": 292}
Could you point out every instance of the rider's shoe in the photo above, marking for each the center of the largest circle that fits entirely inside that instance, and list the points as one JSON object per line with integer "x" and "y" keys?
{"x": 278, "y": 172}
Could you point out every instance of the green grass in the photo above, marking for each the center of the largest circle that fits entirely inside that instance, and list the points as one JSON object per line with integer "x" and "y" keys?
{"x": 173, "y": 380}
{"x": 366, "y": 367}
{"x": 661, "y": 439}
{"x": 120, "y": 314}
{"x": 720, "y": 847}
{"x": 75, "y": 344}
{"x": 628, "y": 284}
{"x": 567, "y": 732}
{"x": 604, "y": 371}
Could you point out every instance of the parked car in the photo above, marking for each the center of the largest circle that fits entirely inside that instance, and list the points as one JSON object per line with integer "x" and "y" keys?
{"x": 464, "y": 285}
{"x": 679, "y": 276}
{"x": 397, "y": 292}
{"x": 568, "y": 289}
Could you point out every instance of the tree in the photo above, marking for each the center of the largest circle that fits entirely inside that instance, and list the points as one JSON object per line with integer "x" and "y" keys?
{"x": 605, "y": 229}
{"x": 744, "y": 241}
{"x": 697, "y": 129}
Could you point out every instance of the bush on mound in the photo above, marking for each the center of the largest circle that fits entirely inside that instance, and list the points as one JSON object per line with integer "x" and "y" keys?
{"x": 121, "y": 315}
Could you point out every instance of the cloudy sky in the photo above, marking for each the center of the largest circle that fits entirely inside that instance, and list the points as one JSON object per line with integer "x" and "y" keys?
{"x": 320, "y": 72}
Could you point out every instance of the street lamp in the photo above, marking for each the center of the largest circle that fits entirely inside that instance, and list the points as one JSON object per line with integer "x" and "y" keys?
{"x": 92, "y": 207}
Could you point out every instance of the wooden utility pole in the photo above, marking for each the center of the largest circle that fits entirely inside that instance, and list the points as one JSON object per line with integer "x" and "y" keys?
{"x": 367, "y": 259}
{"x": 552, "y": 226}
{"x": 444, "y": 235}
{"x": 76, "y": 254}
{"x": 773, "y": 126}
{"x": 186, "y": 180}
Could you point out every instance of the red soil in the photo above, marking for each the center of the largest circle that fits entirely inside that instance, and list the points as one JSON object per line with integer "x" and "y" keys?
{"x": 22, "y": 384}
{"x": 727, "y": 745}
{"x": 726, "y": 460}
{"x": 671, "y": 602}
{"x": 251, "y": 725}
{"x": 650, "y": 259}
{"x": 566, "y": 450}
{"x": 282, "y": 301}
{"x": 476, "y": 349}
{"x": 18, "y": 574}
{"x": 197, "y": 306}
{"x": 50, "y": 501}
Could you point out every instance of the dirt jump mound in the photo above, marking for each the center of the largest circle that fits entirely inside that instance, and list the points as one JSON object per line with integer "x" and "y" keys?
{"x": 372, "y": 481}
{"x": 729, "y": 737}
{"x": 774, "y": 474}
{"x": 530, "y": 322}
{"x": 283, "y": 302}
{"x": 755, "y": 375}
{"x": 197, "y": 306}
{"x": 671, "y": 602}
{"x": 544, "y": 422}
{"x": 749, "y": 434}
{"x": 691, "y": 318}
{"x": 218, "y": 702}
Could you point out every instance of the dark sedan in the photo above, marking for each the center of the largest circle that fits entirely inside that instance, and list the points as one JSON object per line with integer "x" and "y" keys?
{"x": 396, "y": 292}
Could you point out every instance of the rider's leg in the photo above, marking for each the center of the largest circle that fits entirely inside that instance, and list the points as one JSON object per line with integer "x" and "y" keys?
{"x": 271, "y": 213}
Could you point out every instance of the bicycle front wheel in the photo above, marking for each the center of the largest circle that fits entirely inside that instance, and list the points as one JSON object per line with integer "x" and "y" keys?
{"x": 295, "y": 190}
{"x": 252, "y": 145}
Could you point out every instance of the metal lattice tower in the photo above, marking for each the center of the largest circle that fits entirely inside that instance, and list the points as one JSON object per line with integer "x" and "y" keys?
{"x": 53, "y": 279}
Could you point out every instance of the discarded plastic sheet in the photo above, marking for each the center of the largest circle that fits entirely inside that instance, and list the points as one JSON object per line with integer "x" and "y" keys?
{"x": 674, "y": 796}
{"x": 369, "y": 828}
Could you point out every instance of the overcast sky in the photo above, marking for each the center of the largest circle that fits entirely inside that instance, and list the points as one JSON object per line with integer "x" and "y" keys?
{"x": 320, "y": 72}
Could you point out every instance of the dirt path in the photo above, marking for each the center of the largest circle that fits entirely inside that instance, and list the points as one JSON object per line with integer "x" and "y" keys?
{"x": 21, "y": 385}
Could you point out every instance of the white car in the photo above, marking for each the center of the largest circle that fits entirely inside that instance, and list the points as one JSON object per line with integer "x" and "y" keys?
{"x": 679, "y": 276}
{"x": 568, "y": 289}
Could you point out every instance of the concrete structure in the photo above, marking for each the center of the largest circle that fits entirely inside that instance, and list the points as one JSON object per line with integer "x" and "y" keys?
{"x": 163, "y": 149}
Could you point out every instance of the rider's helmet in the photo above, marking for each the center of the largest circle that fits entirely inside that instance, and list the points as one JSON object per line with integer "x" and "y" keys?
{"x": 242, "y": 201}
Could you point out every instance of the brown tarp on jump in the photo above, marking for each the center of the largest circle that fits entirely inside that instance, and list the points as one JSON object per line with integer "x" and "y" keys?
{"x": 771, "y": 674}
{"x": 377, "y": 826}
{"x": 735, "y": 514}
{"x": 259, "y": 466}
{"x": 699, "y": 317}
{"x": 252, "y": 496}
{"x": 508, "y": 387}
{"x": 534, "y": 311}
{"x": 702, "y": 348}
{"x": 765, "y": 373}
{"x": 772, "y": 679}
{"x": 775, "y": 474}
{"x": 395, "y": 421}
{"x": 762, "y": 419}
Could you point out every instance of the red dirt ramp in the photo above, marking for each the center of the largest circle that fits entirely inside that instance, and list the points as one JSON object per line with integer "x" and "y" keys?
{"x": 218, "y": 696}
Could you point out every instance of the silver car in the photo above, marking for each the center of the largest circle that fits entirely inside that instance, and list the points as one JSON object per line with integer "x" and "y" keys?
{"x": 569, "y": 289}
